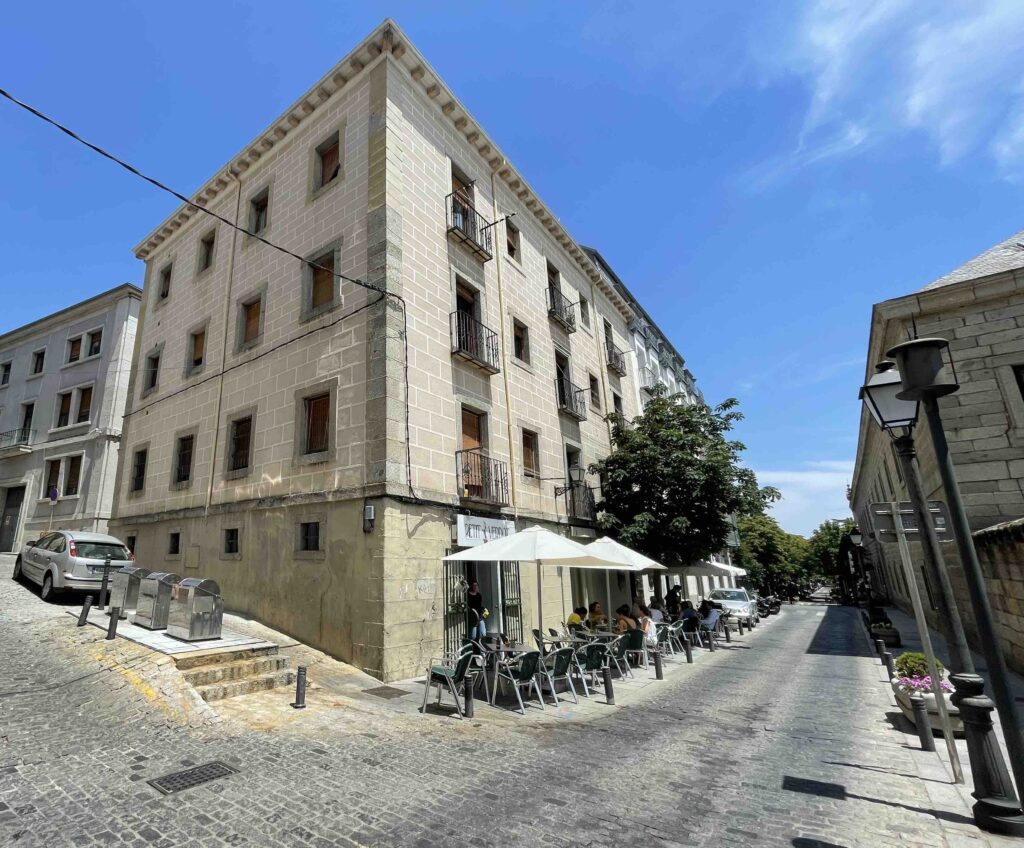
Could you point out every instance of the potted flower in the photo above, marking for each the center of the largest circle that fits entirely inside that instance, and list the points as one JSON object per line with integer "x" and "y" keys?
{"x": 912, "y": 676}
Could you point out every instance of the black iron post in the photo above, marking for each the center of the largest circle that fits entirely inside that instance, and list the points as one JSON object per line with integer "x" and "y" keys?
{"x": 659, "y": 672}
{"x": 115, "y": 616}
{"x": 300, "y": 688}
{"x": 880, "y": 647}
{"x": 711, "y": 640}
{"x": 687, "y": 649}
{"x": 104, "y": 587}
{"x": 728, "y": 632}
{"x": 889, "y": 665}
{"x": 609, "y": 692}
{"x": 987, "y": 635}
{"x": 922, "y": 722}
{"x": 739, "y": 622}
{"x": 468, "y": 685}
{"x": 83, "y": 616}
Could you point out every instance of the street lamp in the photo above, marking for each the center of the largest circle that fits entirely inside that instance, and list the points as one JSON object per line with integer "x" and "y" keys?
{"x": 925, "y": 376}
{"x": 880, "y": 395}
{"x": 856, "y": 537}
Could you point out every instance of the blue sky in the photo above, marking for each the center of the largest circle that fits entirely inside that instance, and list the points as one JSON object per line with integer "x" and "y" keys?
{"x": 758, "y": 174}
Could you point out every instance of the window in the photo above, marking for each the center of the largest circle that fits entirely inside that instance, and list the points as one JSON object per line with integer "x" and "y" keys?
{"x": 531, "y": 454}
{"x": 328, "y": 162}
{"x": 595, "y": 392}
{"x": 206, "y": 245}
{"x": 139, "y": 470}
{"x": 317, "y": 424}
{"x": 38, "y": 361}
{"x": 174, "y": 543}
{"x": 585, "y": 311}
{"x": 95, "y": 342}
{"x": 231, "y": 540}
{"x": 511, "y": 240}
{"x": 251, "y": 315}
{"x": 129, "y": 542}
{"x": 258, "y": 209}
{"x": 554, "y": 278}
{"x": 149, "y": 378}
{"x": 240, "y": 444}
{"x": 196, "y": 351}
{"x": 27, "y": 412}
{"x": 521, "y": 341}
{"x": 52, "y": 477}
{"x": 84, "y": 405}
{"x": 71, "y": 476}
{"x": 165, "y": 281}
{"x": 1018, "y": 375}
{"x": 322, "y": 291}
{"x": 74, "y": 349}
{"x": 617, "y": 403}
{"x": 309, "y": 536}
{"x": 183, "y": 459}
{"x": 5, "y": 373}
{"x": 64, "y": 409}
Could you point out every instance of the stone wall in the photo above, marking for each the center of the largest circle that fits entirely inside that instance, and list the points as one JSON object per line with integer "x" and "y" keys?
{"x": 1001, "y": 551}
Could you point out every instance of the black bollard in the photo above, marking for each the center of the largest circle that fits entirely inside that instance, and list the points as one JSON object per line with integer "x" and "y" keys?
{"x": 609, "y": 692}
{"x": 468, "y": 686}
{"x": 300, "y": 688}
{"x": 889, "y": 665}
{"x": 880, "y": 647}
{"x": 728, "y": 632}
{"x": 83, "y": 616}
{"x": 739, "y": 621}
{"x": 659, "y": 672}
{"x": 688, "y": 650}
{"x": 104, "y": 585}
{"x": 711, "y": 640}
{"x": 923, "y": 723}
{"x": 115, "y": 616}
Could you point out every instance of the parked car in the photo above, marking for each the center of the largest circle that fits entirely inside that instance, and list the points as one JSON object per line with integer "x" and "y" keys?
{"x": 69, "y": 559}
{"x": 738, "y": 602}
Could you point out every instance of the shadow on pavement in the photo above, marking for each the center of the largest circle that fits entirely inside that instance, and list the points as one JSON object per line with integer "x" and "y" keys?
{"x": 838, "y": 634}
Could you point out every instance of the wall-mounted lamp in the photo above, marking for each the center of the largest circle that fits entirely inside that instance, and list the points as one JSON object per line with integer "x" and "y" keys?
{"x": 369, "y": 517}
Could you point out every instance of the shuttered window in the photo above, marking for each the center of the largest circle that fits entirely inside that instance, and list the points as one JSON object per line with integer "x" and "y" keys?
{"x": 64, "y": 413}
{"x": 241, "y": 441}
{"x": 328, "y": 162}
{"x": 71, "y": 475}
{"x": 139, "y": 470}
{"x": 198, "y": 348}
{"x": 84, "y": 405}
{"x": 318, "y": 416}
{"x": 530, "y": 459}
{"x": 183, "y": 465}
{"x": 323, "y": 280}
{"x": 251, "y": 318}
{"x": 52, "y": 475}
{"x": 74, "y": 350}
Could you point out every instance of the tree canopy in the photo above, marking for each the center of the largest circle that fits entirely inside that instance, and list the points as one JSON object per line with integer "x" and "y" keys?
{"x": 772, "y": 557}
{"x": 673, "y": 480}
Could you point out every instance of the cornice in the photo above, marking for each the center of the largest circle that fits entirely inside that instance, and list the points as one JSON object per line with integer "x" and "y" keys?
{"x": 75, "y": 312}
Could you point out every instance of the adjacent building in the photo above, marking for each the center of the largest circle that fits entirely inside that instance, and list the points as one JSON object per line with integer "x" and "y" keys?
{"x": 63, "y": 389}
{"x": 435, "y": 368}
{"x": 979, "y": 308}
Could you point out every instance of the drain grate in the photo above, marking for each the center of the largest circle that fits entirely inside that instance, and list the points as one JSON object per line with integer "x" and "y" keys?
{"x": 179, "y": 780}
{"x": 387, "y": 692}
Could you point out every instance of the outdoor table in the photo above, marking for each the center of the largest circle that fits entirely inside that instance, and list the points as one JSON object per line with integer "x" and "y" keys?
{"x": 497, "y": 651}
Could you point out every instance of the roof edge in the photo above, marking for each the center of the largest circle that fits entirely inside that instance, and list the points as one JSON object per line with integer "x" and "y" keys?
{"x": 116, "y": 293}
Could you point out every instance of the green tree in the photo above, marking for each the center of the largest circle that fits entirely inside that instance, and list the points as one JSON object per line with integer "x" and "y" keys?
{"x": 673, "y": 478}
{"x": 823, "y": 554}
{"x": 772, "y": 557}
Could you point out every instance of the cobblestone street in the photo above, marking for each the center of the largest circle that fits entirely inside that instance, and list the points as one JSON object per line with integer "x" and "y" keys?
{"x": 785, "y": 737}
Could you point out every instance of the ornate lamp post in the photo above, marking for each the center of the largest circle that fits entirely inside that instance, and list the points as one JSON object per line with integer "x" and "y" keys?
{"x": 923, "y": 377}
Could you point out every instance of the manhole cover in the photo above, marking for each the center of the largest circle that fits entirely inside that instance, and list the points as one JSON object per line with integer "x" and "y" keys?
{"x": 180, "y": 780}
{"x": 387, "y": 692}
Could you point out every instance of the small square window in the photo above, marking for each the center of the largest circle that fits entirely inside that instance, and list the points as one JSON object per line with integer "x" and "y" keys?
{"x": 251, "y": 313}
{"x": 328, "y": 161}
{"x": 240, "y": 444}
{"x": 5, "y": 373}
{"x": 183, "y": 459}
{"x": 531, "y": 454}
{"x": 521, "y": 341}
{"x": 74, "y": 349}
{"x": 231, "y": 540}
{"x": 165, "y": 281}
{"x": 84, "y": 405}
{"x": 317, "y": 429}
{"x": 595, "y": 392}
{"x": 95, "y": 342}
{"x": 173, "y": 544}
{"x": 512, "y": 240}
{"x": 72, "y": 475}
{"x": 206, "y": 246}
{"x": 139, "y": 470}
{"x": 149, "y": 380}
{"x": 585, "y": 311}
{"x": 309, "y": 536}
{"x": 64, "y": 409}
{"x": 38, "y": 361}
{"x": 259, "y": 207}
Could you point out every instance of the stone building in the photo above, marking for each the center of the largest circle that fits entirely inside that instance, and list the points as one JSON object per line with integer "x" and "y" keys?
{"x": 318, "y": 444}
{"x": 979, "y": 308}
{"x": 63, "y": 389}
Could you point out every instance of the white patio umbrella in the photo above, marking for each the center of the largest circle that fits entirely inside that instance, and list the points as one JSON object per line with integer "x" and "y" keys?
{"x": 628, "y": 559}
{"x": 537, "y": 545}
{"x": 706, "y": 569}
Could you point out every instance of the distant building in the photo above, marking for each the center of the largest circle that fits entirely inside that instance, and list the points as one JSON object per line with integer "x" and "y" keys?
{"x": 63, "y": 389}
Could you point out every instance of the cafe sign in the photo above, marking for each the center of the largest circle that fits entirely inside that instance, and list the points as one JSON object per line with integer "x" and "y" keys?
{"x": 473, "y": 530}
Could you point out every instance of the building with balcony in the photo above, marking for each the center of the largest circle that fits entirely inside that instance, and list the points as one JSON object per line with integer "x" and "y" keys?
{"x": 317, "y": 443}
{"x": 63, "y": 388}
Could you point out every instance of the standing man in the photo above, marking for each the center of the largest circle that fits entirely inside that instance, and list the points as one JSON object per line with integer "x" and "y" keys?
{"x": 475, "y": 610}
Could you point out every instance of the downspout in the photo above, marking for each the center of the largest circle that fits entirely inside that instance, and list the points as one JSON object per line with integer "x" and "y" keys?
{"x": 224, "y": 347}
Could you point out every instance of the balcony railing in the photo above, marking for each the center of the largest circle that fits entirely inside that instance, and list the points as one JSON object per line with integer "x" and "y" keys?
{"x": 474, "y": 342}
{"x": 572, "y": 400}
{"x": 560, "y": 308}
{"x": 16, "y": 438}
{"x": 467, "y": 226}
{"x": 580, "y": 503}
{"x": 649, "y": 379}
{"x": 481, "y": 478}
{"x": 616, "y": 359}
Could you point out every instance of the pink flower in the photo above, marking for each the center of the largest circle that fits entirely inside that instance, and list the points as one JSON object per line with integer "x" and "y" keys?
{"x": 922, "y": 684}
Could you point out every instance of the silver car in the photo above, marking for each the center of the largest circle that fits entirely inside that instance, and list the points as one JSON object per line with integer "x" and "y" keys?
{"x": 69, "y": 559}
{"x": 738, "y": 602}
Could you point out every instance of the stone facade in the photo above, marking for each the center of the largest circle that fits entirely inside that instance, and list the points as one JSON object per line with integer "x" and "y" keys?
{"x": 63, "y": 389}
{"x": 983, "y": 318}
{"x": 406, "y": 392}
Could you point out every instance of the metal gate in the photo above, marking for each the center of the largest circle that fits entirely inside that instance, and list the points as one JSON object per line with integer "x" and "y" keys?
{"x": 512, "y": 602}
{"x": 456, "y": 625}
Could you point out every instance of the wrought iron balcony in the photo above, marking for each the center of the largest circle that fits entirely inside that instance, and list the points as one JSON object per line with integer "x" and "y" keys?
{"x": 560, "y": 308}
{"x": 15, "y": 441}
{"x": 481, "y": 478}
{"x": 572, "y": 400}
{"x": 467, "y": 226}
{"x": 649, "y": 379}
{"x": 616, "y": 359}
{"x": 474, "y": 342}
{"x": 580, "y": 503}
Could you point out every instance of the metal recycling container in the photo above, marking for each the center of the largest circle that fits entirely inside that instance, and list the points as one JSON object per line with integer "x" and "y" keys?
{"x": 155, "y": 600}
{"x": 124, "y": 588}
{"x": 197, "y": 610}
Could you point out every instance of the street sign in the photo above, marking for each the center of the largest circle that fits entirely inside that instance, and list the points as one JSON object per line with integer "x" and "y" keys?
{"x": 881, "y": 518}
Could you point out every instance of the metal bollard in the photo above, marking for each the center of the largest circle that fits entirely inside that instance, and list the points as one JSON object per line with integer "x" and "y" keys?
{"x": 609, "y": 692}
{"x": 659, "y": 672}
{"x": 890, "y": 666}
{"x": 711, "y": 641}
{"x": 880, "y": 647}
{"x": 115, "y": 616}
{"x": 105, "y": 585}
{"x": 924, "y": 725}
{"x": 688, "y": 650}
{"x": 728, "y": 632}
{"x": 300, "y": 688}
{"x": 83, "y": 617}
{"x": 468, "y": 686}
{"x": 739, "y": 621}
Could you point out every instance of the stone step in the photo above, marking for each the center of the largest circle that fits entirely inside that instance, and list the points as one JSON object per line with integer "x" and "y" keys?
{"x": 204, "y": 675}
{"x": 245, "y": 685}
{"x": 221, "y": 657}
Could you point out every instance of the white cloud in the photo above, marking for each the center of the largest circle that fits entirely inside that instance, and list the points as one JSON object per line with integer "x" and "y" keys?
{"x": 811, "y": 494}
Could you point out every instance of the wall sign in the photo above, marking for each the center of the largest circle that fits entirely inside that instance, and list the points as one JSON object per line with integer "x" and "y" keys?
{"x": 473, "y": 530}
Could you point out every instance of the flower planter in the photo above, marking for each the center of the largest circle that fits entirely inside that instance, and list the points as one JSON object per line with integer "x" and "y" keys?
{"x": 888, "y": 634}
{"x": 903, "y": 699}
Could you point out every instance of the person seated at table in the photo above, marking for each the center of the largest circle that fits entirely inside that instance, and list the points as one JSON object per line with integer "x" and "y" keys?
{"x": 705, "y": 608}
{"x": 623, "y": 620}
{"x": 657, "y": 615}
{"x": 689, "y": 616}
{"x": 575, "y": 619}
{"x": 595, "y": 615}
{"x": 646, "y": 623}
